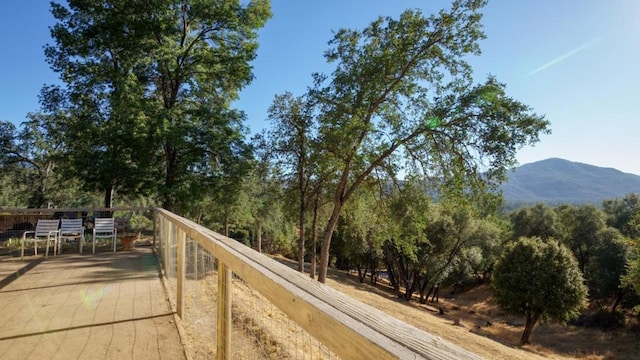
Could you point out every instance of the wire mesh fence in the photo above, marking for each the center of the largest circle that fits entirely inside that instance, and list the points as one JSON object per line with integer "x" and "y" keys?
{"x": 257, "y": 329}
{"x": 235, "y": 303}
{"x": 273, "y": 332}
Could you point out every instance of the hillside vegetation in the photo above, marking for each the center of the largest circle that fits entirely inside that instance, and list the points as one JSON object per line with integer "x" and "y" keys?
{"x": 472, "y": 320}
{"x": 561, "y": 181}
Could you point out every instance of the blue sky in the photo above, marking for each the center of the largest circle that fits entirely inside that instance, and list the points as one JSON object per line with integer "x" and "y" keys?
{"x": 575, "y": 61}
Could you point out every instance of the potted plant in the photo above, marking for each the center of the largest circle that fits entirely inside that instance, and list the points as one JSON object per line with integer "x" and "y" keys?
{"x": 128, "y": 242}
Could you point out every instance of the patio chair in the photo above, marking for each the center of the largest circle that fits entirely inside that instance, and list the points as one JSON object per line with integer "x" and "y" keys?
{"x": 104, "y": 228}
{"x": 47, "y": 231}
{"x": 122, "y": 223}
{"x": 70, "y": 229}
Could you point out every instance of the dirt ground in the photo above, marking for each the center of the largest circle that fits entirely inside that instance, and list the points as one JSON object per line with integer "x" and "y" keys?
{"x": 485, "y": 330}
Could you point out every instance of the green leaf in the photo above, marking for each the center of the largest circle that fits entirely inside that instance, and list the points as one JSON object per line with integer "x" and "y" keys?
{"x": 433, "y": 123}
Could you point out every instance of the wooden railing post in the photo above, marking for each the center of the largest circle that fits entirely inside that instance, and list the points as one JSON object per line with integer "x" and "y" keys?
{"x": 155, "y": 216}
{"x": 161, "y": 245}
{"x": 167, "y": 246}
{"x": 180, "y": 272}
{"x": 224, "y": 312}
{"x": 194, "y": 249}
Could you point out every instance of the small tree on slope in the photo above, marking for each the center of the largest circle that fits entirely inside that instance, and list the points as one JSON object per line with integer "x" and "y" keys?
{"x": 539, "y": 280}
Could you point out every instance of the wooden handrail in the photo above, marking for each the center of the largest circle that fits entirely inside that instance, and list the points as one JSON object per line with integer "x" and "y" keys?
{"x": 349, "y": 328}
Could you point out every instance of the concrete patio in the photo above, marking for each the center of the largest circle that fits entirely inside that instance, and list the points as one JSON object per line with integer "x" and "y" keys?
{"x": 71, "y": 306}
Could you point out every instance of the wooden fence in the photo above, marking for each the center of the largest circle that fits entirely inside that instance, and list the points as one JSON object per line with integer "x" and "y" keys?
{"x": 348, "y": 328}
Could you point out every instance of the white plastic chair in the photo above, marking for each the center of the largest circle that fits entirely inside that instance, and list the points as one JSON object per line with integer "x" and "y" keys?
{"x": 104, "y": 228}
{"x": 70, "y": 229}
{"x": 46, "y": 230}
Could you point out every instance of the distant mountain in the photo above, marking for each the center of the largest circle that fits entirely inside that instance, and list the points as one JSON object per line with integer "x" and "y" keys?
{"x": 562, "y": 181}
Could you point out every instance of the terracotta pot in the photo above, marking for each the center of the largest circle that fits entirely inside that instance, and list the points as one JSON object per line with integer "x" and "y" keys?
{"x": 128, "y": 242}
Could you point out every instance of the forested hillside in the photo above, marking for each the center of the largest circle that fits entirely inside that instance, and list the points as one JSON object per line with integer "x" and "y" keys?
{"x": 561, "y": 181}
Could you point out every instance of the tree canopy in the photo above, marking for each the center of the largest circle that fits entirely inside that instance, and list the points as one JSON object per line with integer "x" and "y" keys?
{"x": 539, "y": 280}
{"x": 402, "y": 89}
{"x": 145, "y": 105}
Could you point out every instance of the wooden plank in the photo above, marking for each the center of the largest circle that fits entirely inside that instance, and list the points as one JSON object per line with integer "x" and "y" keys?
{"x": 358, "y": 331}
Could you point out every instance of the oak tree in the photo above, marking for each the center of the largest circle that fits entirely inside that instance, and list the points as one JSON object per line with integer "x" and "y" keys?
{"x": 539, "y": 280}
{"x": 145, "y": 104}
{"x": 401, "y": 88}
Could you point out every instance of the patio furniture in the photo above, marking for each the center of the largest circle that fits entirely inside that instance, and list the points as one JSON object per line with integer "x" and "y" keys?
{"x": 71, "y": 229}
{"x": 47, "y": 231}
{"x": 122, "y": 223}
{"x": 104, "y": 228}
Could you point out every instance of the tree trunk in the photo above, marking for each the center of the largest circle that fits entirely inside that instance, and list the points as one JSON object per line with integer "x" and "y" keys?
{"x": 226, "y": 223}
{"x": 423, "y": 287}
{"x": 259, "y": 236}
{"x": 301, "y": 240}
{"x": 374, "y": 271}
{"x": 169, "y": 202}
{"x": 326, "y": 241}
{"x": 314, "y": 235}
{"x": 362, "y": 273}
{"x": 411, "y": 284}
{"x": 619, "y": 295}
{"x": 108, "y": 196}
{"x": 528, "y": 327}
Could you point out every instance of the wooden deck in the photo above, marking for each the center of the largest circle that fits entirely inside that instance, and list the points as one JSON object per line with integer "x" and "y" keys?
{"x": 72, "y": 306}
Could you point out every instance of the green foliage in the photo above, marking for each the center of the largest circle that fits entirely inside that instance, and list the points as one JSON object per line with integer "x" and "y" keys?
{"x": 466, "y": 265}
{"x": 624, "y": 214}
{"x": 601, "y": 251}
{"x": 140, "y": 222}
{"x": 364, "y": 226}
{"x": 607, "y": 266}
{"x": 408, "y": 249}
{"x": 289, "y": 146}
{"x": 539, "y": 280}
{"x": 400, "y": 93}
{"x": 145, "y": 106}
{"x": 539, "y": 220}
{"x": 632, "y": 277}
{"x": 432, "y": 243}
{"x": 29, "y": 160}
{"x": 582, "y": 228}
{"x": 603, "y": 319}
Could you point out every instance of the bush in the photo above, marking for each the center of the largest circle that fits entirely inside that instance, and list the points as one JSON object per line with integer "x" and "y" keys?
{"x": 140, "y": 222}
{"x": 602, "y": 319}
{"x": 539, "y": 280}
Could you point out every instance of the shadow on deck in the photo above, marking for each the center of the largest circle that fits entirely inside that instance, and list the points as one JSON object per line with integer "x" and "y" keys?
{"x": 72, "y": 306}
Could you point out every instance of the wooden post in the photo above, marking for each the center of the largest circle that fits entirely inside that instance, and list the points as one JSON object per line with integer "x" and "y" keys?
{"x": 194, "y": 247}
{"x": 162, "y": 230}
{"x": 180, "y": 272}
{"x": 155, "y": 226}
{"x": 167, "y": 247}
{"x": 161, "y": 237}
{"x": 224, "y": 313}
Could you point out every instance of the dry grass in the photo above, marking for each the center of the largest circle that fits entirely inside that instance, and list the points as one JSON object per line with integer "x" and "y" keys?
{"x": 259, "y": 330}
{"x": 485, "y": 330}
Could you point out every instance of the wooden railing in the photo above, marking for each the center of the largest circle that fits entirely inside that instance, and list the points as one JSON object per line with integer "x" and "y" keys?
{"x": 348, "y": 328}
